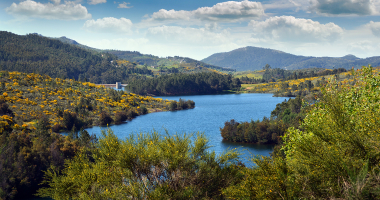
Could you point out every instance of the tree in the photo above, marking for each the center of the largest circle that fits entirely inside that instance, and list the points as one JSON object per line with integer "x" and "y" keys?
{"x": 146, "y": 166}
{"x": 267, "y": 67}
{"x": 105, "y": 118}
{"x": 337, "y": 147}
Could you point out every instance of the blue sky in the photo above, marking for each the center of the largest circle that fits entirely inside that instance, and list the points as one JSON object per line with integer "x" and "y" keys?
{"x": 197, "y": 29}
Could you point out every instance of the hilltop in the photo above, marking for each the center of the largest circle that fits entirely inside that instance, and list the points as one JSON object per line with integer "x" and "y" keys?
{"x": 33, "y": 53}
{"x": 147, "y": 59}
{"x": 255, "y": 58}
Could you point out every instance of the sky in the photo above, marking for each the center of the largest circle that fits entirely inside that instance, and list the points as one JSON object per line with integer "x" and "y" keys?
{"x": 200, "y": 28}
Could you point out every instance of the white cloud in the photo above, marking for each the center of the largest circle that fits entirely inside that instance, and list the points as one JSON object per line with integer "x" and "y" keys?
{"x": 67, "y": 11}
{"x": 171, "y": 15}
{"x": 343, "y": 7}
{"x": 361, "y": 47}
{"x": 291, "y": 29}
{"x": 124, "y": 5}
{"x": 94, "y": 2}
{"x": 189, "y": 36}
{"x": 109, "y": 25}
{"x": 231, "y": 10}
{"x": 374, "y": 27}
{"x": 212, "y": 26}
{"x": 225, "y": 11}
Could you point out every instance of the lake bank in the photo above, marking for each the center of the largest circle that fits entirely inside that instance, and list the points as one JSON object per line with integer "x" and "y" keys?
{"x": 208, "y": 116}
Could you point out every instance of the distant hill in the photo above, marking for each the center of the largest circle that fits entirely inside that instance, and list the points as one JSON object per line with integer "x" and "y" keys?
{"x": 255, "y": 58}
{"x": 43, "y": 55}
{"x": 147, "y": 59}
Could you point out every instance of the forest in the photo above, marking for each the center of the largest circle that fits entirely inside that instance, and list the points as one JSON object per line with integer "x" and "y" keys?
{"x": 333, "y": 154}
{"x": 36, "y": 54}
{"x": 35, "y": 108}
{"x": 185, "y": 84}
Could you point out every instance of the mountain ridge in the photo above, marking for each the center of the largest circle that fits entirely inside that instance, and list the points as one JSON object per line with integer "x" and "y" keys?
{"x": 255, "y": 58}
{"x": 143, "y": 59}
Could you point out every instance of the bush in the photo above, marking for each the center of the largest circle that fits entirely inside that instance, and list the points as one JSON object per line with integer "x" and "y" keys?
{"x": 120, "y": 117}
{"x": 190, "y": 104}
{"x": 105, "y": 118}
{"x": 142, "y": 110}
{"x": 173, "y": 106}
{"x": 148, "y": 166}
{"x": 69, "y": 119}
{"x": 56, "y": 128}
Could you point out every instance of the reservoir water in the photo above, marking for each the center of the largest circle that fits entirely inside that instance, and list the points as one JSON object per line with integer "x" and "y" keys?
{"x": 208, "y": 116}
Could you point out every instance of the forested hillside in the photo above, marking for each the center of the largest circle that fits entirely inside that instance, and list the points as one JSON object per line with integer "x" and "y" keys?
{"x": 37, "y": 54}
{"x": 34, "y": 53}
{"x": 185, "y": 84}
{"x": 148, "y": 59}
{"x": 255, "y": 58}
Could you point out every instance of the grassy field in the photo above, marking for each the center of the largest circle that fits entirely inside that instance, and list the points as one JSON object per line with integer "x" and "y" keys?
{"x": 250, "y": 74}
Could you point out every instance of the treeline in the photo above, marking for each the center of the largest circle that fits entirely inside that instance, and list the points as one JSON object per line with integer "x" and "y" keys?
{"x": 37, "y": 54}
{"x": 277, "y": 74}
{"x": 269, "y": 130}
{"x": 185, "y": 84}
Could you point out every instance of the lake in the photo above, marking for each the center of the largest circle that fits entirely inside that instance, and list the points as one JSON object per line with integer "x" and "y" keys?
{"x": 208, "y": 116}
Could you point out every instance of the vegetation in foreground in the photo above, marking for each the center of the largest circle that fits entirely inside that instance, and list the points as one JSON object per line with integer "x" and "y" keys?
{"x": 333, "y": 155}
{"x": 33, "y": 107}
{"x": 146, "y": 166}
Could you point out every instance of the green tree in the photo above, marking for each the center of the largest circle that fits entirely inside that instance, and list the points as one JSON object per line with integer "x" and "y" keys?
{"x": 337, "y": 151}
{"x": 146, "y": 166}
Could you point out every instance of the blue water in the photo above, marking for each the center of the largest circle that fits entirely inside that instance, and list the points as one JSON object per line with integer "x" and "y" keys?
{"x": 208, "y": 116}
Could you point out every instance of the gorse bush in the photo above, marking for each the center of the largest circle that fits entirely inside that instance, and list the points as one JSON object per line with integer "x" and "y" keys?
{"x": 67, "y": 102}
{"x": 146, "y": 166}
{"x": 340, "y": 139}
{"x": 334, "y": 155}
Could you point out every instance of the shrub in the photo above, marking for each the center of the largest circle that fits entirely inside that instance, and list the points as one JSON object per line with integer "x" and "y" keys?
{"x": 105, "y": 118}
{"x": 120, "y": 117}
{"x": 69, "y": 119}
{"x": 148, "y": 166}
{"x": 173, "y": 106}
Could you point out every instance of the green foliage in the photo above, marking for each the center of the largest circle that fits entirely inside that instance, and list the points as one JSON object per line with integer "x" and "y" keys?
{"x": 120, "y": 117}
{"x": 105, "y": 118}
{"x": 338, "y": 147}
{"x": 185, "y": 84}
{"x": 269, "y": 179}
{"x": 37, "y": 54}
{"x": 146, "y": 166}
{"x": 334, "y": 154}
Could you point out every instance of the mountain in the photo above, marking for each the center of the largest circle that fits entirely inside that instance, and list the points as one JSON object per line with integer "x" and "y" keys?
{"x": 146, "y": 59}
{"x": 43, "y": 55}
{"x": 255, "y": 58}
